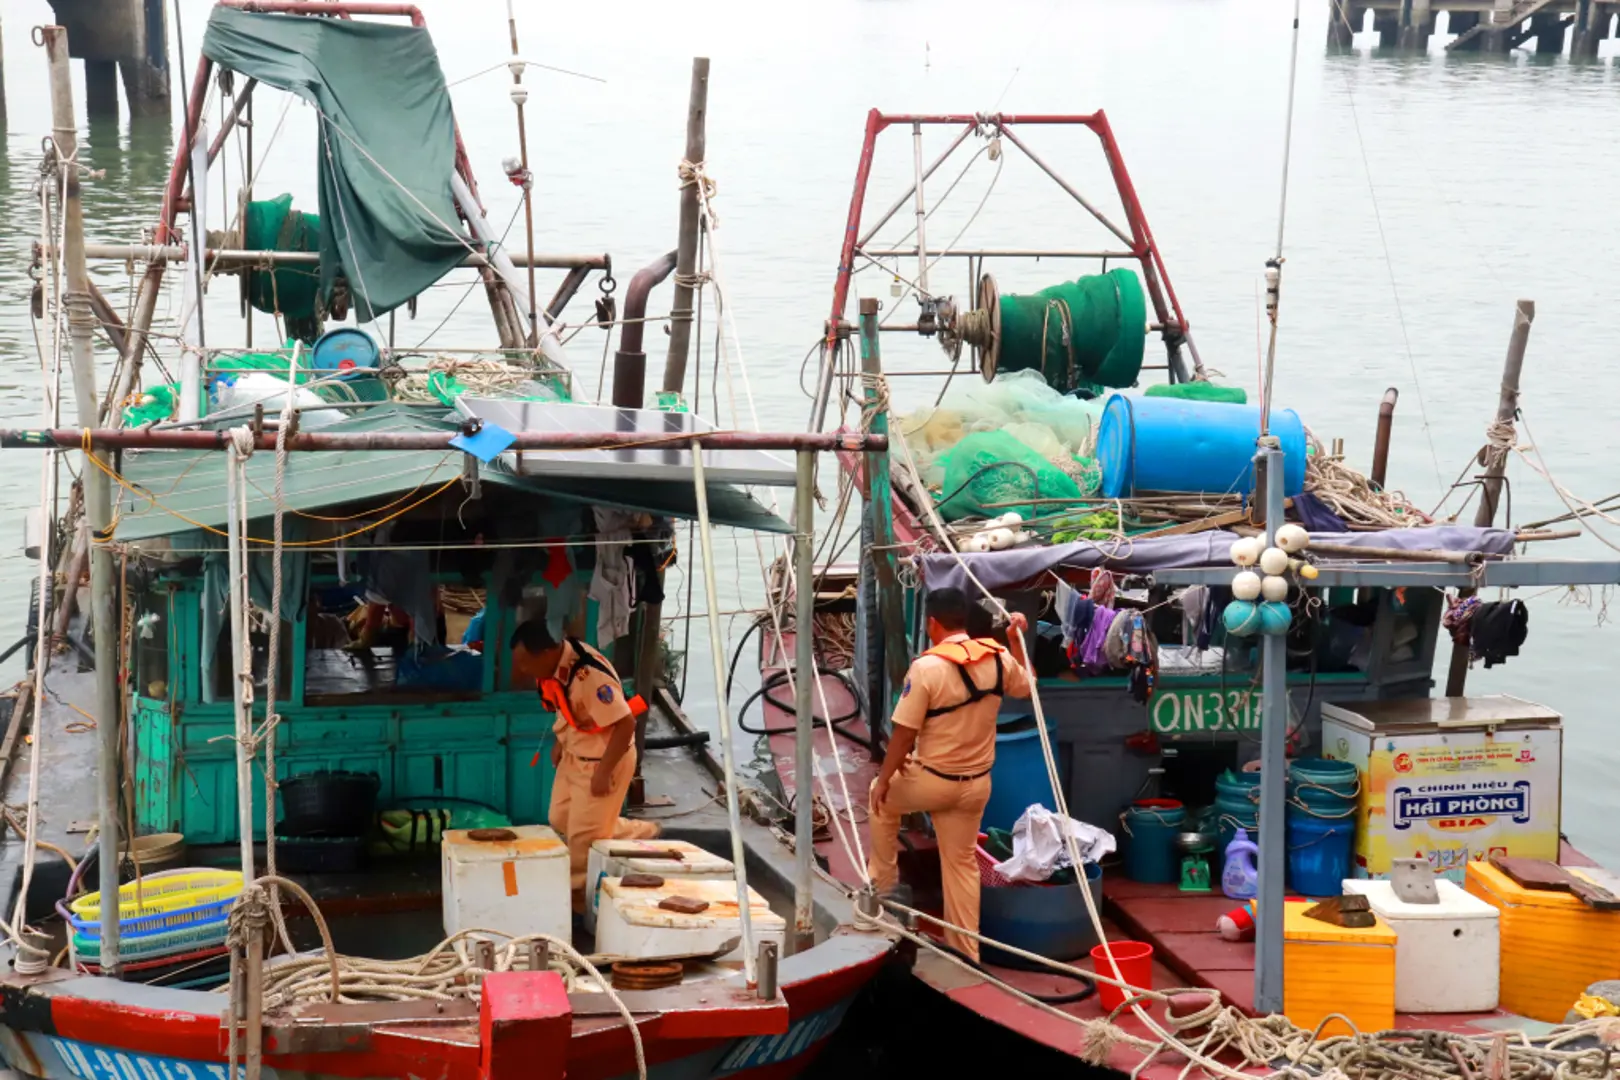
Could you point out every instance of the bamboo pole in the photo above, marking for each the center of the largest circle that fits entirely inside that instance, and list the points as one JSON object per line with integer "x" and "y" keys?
{"x": 680, "y": 326}
{"x": 804, "y": 675}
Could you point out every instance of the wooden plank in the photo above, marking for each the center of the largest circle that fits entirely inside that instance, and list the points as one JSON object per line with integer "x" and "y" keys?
{"x": 20, "y": 717}
{"x": 1541, "y": 874}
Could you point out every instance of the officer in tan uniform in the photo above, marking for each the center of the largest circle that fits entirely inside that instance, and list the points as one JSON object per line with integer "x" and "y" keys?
{"x": 594, "y": 752}
{"x": 941, "y": 748}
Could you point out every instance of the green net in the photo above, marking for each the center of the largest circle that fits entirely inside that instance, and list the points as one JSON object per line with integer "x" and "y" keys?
{"x": 273, "y": 225}
{"x": 1085, "y": 333}
{"x": 156, "y": 405}
{"x": 991, "y": 472}
{"x": 1199, "y": 391}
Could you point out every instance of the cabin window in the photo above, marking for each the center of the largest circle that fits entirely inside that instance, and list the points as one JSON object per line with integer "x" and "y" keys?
{"x": 359, "y": 644}
{"x": 149, "y": 642}
{"x": 259, "y": 644}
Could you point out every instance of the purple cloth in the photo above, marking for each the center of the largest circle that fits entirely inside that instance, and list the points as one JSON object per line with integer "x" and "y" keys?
{"x": 1092, "y": 659}
{"x": 1000, "y": 569}
{"x": 1315, "y": 515}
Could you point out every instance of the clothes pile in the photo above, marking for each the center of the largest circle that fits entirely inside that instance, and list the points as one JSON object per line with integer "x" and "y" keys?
{"x": 1100, "y": 640}
{"x": 1492, "y": 630}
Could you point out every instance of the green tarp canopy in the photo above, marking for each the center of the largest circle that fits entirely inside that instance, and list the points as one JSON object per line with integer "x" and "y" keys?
{"x": 387, "y": 143}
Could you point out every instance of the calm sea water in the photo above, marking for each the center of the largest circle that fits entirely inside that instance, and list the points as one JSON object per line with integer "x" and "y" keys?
{"x": 1426, "y": 195}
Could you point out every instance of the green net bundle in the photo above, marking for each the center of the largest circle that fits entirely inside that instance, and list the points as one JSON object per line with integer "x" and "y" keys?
{"x": 1085, "y": 333}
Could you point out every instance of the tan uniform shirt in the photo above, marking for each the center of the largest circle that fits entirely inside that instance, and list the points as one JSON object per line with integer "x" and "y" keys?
{"x": 961, "y": 742}
{"x": 595, "y": 699}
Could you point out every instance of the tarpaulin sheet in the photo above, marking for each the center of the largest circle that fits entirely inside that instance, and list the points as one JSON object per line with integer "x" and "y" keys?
{"x": 387, "y": 143}
{"x": 999, "y": 569}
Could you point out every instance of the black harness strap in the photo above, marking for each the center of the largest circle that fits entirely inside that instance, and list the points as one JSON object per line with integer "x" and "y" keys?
{"x": 975, "y": 693}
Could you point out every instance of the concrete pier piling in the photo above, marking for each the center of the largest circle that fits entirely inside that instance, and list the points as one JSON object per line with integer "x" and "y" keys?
{"x": 119, "y": 40}
{"x": 1490, "y": 26}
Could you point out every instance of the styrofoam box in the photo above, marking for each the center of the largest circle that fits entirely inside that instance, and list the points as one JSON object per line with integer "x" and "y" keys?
{"x": 517, "y": 886}
{"x": 1447, "y": 955}
{"x": 616, "y": 858}
{"x": 629, "y": 921}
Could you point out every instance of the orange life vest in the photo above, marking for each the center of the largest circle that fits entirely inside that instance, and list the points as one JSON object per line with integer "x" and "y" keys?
{"x": 961, "y": 654}
{"x": 554, "y": 691}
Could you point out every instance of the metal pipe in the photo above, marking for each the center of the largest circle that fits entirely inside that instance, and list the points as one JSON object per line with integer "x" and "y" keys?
{"x": 1065, "y": 185}
{"x": 880, "y": 508}
{"x": 329, "y": 8}
{"x": 1268, "y": 947}
{"x": 241, "y": 664}
{"x": 182, "y": 160}
{"x": 894, "y": 208}
{"x": 183, "y": 439}
{"x": 630, "y": 360}
{"x": 846, "y": 268}
{"x": 680, "y": 327}
{"x": 997, "y": 253}
{"x": 1494, "y": 457}
{"x": 219, "y": 259}
{"x": 238, "y": 106}
{"x": 97, "y": 493}
{"x": 922, "y": 212}
{"x": 191, "y": 403}
{"x": 1386, "y": 423}
{"x": 717, "y": 653}
{"x": 520, "y": 95}
{"x": 804, "y": 674}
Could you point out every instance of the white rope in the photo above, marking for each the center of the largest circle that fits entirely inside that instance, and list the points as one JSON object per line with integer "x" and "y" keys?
{"x": 1571, "y": 501}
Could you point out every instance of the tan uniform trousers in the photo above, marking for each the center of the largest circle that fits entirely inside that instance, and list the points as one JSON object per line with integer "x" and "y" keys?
{"x": 956, "y": 807}
{"x": 582, "y": 818}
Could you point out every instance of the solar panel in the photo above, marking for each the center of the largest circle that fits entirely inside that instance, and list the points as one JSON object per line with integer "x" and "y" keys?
{"x": 672, "y": 462}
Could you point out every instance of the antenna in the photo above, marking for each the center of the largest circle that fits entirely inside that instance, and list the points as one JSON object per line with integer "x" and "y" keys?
{"x": 1274, "y": 264}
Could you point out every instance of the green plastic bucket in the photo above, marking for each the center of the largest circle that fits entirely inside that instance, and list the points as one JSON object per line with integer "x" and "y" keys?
{"x": 1150, "y": 827}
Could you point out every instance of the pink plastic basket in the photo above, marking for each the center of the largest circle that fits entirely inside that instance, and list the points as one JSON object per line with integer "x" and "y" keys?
{"x": 989, "y": 877}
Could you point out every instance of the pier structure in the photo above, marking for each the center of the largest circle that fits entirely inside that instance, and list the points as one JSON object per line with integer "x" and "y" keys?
{"x": 116, "y": 39}
{"x": 1491, "y": 26}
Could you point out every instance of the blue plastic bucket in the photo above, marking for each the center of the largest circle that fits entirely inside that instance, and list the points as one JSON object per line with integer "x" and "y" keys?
{"x": 1150, "y": 827}
{"x": 1018, "y": 779}
{"x": 1237, "y": 805}
{"x": 1325, "y": 788}
{"x": 1172, "y": 444}
{"x": 1047, "y": 920}
{"x": 1318, "y": 853}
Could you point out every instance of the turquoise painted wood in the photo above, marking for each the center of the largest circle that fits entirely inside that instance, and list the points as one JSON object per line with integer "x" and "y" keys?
{"x": 479, "y": 751}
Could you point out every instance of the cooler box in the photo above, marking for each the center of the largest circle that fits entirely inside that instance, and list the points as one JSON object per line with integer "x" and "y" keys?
{"x": 630, "y": 922}
{"x": 1450, "y": 780}
{"x": 513, "y": 880}
{"x": 1446, "y": 954}
{"x": 1553, "y": 945}
{"x": 671, "y": 859}
{"x": 1337, "y": 969}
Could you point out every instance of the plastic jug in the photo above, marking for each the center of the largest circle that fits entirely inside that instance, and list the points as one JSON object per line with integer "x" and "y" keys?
{"x": 1240, "y": 879}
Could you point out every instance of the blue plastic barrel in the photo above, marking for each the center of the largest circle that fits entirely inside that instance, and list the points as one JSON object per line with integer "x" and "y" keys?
{"x": 1150, "y": 827}
{"x": 343, "y": 349}
{"x": 1018, "y": 779}
{"x": 1171, "y": 444}
{"x": 1318, "y": 853}
{"x": 1047, "y": 920}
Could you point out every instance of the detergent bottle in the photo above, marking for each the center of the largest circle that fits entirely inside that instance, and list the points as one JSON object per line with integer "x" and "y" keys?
{"x": 1240, "y": 879}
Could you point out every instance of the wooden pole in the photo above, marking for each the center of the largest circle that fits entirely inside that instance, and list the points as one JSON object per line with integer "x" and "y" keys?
{"x": 880, "y": 506}
{"x": 1493, "y": 456}
{"x": 97, "y": 493}
{"x": 804, "y": 676}
{"x": 680, "y": 325}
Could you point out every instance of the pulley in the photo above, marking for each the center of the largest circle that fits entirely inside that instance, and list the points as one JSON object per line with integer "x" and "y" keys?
{"x": 978, "y": 328}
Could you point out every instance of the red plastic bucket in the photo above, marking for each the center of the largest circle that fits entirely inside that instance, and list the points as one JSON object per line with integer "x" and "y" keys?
{"x": 1135, "y": 960}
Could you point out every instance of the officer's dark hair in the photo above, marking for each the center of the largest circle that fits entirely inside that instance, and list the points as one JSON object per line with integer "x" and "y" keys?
{"x": 533, "y": 635}
{"x": 949, "y": 608}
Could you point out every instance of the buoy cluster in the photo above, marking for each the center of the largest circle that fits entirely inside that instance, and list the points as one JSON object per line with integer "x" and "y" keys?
{"x": 1260, "y": 600}
{"x": 997, "y": 534}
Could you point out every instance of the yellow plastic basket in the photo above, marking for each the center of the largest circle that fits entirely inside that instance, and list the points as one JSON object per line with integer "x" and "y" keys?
{"x": 159, "y": 894}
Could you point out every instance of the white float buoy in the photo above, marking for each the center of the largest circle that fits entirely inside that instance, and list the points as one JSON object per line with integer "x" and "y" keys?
{"x": 1246, "y": 585}
{"x": 1292, "y": 538}
{"x": 1273, "y": 588}
{"x": 1246, "y": 552}
{"x": 1274, "y": 561}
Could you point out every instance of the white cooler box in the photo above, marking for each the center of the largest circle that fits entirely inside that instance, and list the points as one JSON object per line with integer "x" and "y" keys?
{"x": 1447, "y": 955}
{"x": 629, "y": 921}
{"x": 616, "y": 858}
{"x": 512, "y": 880}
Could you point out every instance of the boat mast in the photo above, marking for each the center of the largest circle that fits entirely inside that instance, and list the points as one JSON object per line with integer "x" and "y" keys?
{"x": 1268, "y": 955}
{"x": 520, "y": 95}
{"x": 97, "y": 493}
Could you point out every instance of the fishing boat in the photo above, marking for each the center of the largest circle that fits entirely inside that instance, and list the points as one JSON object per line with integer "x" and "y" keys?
{"x": 1283, "y": 618}
{"x": 298, "y": 727}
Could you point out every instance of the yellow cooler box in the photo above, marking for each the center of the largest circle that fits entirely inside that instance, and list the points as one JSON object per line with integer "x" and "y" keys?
{"x": 1553, "y": 945}
{"x": 1337, "y": 969}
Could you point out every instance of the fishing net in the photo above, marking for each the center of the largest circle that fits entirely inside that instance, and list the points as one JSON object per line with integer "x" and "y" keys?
{"x": 272, "y": 224}
{"x": 992, "y": 472}
{"x": 1061, "y": 430}
{"x": 1199, "y": 391}
{"x": 1084, "y": 333}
